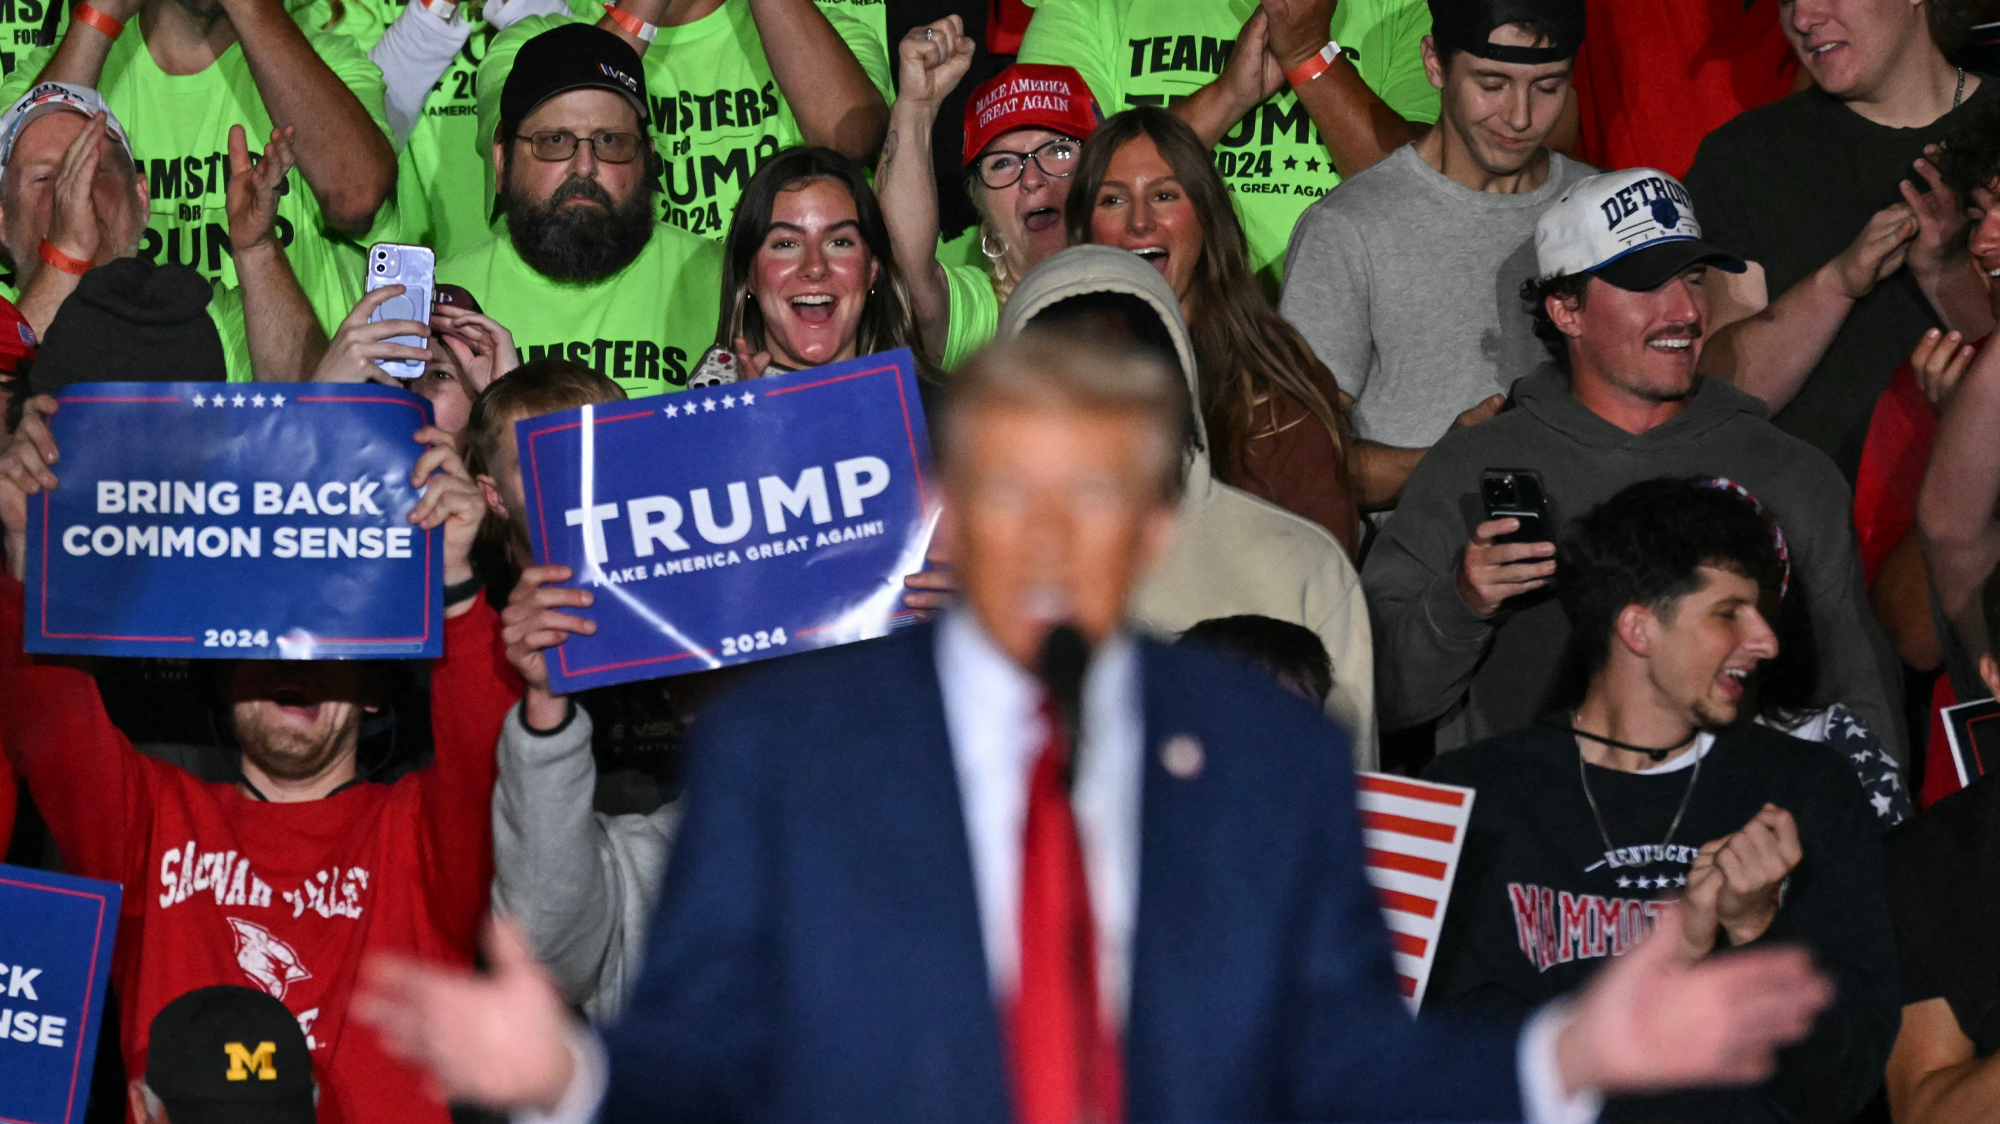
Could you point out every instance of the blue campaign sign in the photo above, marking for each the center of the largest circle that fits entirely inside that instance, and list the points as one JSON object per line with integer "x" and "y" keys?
{"x": 256, "y": 520}
{"x": 732, "y": 523}
{"x": 55, "y": 956}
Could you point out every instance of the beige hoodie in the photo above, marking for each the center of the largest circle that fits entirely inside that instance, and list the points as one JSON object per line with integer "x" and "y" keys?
{"x": 1234, "y": 553}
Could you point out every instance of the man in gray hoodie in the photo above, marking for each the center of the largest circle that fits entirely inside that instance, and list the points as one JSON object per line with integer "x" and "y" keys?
{"x": 1467, "y": 630}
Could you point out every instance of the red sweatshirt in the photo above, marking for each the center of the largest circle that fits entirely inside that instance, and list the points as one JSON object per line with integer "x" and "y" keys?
{"x": 223, "y": 888}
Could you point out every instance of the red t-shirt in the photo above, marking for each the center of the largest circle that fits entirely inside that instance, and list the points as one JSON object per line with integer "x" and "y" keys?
{"x": 1654, "y": 76}
{"x": 223, "y": 888}
{"x": 1891, "y": 472}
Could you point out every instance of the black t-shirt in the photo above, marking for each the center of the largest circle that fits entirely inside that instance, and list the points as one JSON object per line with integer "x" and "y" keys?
{"x": 1789, "y": 185}
{"x": 1539, "y": 904}
{"x": 1945, "y": 899}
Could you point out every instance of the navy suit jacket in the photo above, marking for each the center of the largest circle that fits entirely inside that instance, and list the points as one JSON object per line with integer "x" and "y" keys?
{"x": 817, "y": 952}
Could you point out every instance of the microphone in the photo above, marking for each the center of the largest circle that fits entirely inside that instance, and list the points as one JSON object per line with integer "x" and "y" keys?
{"x": 1065, "y": 659}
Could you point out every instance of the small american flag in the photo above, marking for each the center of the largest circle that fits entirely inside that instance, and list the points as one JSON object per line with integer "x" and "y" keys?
{"x": 1413, "y": 832}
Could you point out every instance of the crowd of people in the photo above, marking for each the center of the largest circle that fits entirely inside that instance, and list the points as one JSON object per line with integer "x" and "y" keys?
{"x": 1584, "y": 402}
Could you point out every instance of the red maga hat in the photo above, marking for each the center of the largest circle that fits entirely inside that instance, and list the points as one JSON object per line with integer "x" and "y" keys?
{"x": 1029, "y": 96}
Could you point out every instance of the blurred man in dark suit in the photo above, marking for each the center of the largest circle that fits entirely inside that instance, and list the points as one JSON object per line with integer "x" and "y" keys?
{"x": 906, "y": 891}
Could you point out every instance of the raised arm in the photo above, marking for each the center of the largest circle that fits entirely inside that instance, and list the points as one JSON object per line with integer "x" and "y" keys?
{"x": 413, "y": 53}
{"x": 285, "y": 338}
{"x": 1955, "y": 508}
{"x": 80, "y": 56}
{"x": 341, "y": 151}
{"x": 1769, "y": 350}
{"x": 830, "y": 94}
{"x": 1358, "y": 126}
{"x": 1940, "y": 259}
{"x": 87, "y": 781}
{"x": 581, "y": 885}
{"x": 472, "y": 688}
{"x": 932, "y": 61}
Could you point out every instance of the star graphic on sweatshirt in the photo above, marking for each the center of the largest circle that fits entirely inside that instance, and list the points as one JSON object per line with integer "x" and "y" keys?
{"x": 1881, "y": 801}
{"x": 1624, "y": 883}
{"x": 746, "y": 399}
{"x": 1680, "y": 880}
{"x": 277, "y": 400}
{"x": 1291, "y": 162}
{"x": 672, "y": 411}
{"x": 199, "y": 401}
{"x": 1312, "y": 164}
{"x": 728, "y": 403}
{"x": 256, "y": 400}
{"x": 237, "y": 401}
{"x": 708, "y": 404}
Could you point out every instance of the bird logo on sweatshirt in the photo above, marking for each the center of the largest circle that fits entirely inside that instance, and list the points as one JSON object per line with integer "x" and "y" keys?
{"x": 272, "y": 963}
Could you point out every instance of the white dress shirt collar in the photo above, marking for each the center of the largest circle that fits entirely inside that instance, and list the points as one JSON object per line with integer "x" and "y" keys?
{"x": 992, "y": 713}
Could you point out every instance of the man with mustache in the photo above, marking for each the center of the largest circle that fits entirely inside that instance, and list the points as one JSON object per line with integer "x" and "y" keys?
{"x": 1467, "y": 631}
{"x": 584, "y": 271}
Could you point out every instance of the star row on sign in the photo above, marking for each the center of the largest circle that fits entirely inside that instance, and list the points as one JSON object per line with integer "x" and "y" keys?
{"x": 728, "y": 401}
{"x": 1657, "y": 882}
{"x": 240, "y": 399}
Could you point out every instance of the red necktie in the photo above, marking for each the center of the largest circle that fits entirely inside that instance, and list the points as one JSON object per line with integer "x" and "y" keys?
{"x": 1066, "y": 1061}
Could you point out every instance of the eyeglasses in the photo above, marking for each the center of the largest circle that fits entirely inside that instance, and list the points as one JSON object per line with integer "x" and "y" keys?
{"x": 557, "y": 145}
{"x": 998, "y": 169}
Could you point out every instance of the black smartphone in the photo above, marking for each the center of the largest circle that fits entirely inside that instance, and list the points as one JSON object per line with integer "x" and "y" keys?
{"x": 1516, "y": 493}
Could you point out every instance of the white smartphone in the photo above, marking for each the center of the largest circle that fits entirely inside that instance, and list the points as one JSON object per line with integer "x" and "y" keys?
{"x": 415, "y": 269}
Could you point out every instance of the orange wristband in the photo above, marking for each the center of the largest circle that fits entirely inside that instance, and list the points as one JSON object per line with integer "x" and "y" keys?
{"x": 1315, "y": 66}
{"x": 634, "y": 26}
{"x": 71, "y": 265}
{"x": 84, "y": 13}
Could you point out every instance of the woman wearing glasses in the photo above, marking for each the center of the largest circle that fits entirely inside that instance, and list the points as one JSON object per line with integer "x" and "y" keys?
{"x": 1023, "y": 131}
{"x": 807, "y": 277}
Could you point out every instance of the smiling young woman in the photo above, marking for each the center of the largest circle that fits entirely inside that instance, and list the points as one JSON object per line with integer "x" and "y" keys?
{"x": 808, "y": 277}
{"x": 1147, "y": 184}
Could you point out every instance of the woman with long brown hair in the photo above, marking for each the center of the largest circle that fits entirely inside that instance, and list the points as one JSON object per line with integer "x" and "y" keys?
{"x": 1276, "y": 419}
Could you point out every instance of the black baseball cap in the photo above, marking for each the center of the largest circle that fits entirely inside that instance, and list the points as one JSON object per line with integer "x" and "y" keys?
{"x": 1468, "y": 25}
{"x": 575, "y": 56}
{"x": 230, "y": 1055}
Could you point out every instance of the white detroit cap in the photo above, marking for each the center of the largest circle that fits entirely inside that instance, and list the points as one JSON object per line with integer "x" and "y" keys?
{"x": 1633, "y": 229}
{"x": 52, "y": 97}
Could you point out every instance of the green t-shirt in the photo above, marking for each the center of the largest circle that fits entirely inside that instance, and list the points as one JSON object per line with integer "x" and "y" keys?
{"x": 179, "y": 127}
{"x": 975, "y": 312}
{"x": 1154, "y": 52}
{"x": 646, "y": 327}
{"x": 717, "y": 111}
{"x": 226, "y": 309}
{"x": 26, "y": 25}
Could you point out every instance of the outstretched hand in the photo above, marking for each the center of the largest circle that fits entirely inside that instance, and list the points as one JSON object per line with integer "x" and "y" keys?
{"x": 534, "y": 621}
{"x": 498, "y": 1039}
{"x": 451, "y": 500}
{"x": 1655, "y": 1019}
{"x": 1939, "y": 240}
{"x": 254, "y": 189}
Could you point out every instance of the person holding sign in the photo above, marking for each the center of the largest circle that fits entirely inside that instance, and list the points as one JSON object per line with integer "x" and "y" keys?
{"x": 809, "y": 276}
{"x": 873, "y": 933}
{"x": 584, "y": 270}
{"x": 1590, "y": 820}
{"x": 287, "y": 878}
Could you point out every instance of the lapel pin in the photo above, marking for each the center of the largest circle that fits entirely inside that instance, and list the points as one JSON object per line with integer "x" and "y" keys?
{"x": 1182, "y": 756}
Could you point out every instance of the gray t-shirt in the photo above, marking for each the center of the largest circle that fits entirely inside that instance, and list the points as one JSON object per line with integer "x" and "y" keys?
{"x": 1408, "y": 286}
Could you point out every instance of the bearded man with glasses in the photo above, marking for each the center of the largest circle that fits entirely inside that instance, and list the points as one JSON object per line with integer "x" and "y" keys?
{"x": 583, "y": 270}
